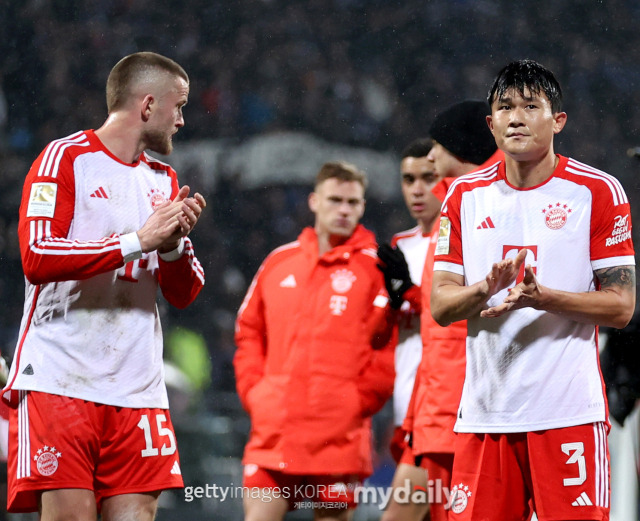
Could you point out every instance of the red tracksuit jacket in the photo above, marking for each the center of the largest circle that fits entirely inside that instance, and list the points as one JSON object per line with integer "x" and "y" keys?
{"x": 308, "y": 369}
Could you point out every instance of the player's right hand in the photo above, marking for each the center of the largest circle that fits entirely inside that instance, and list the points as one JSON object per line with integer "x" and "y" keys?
{"x": 171, "y": 221}
{"x": 503, "y": 274}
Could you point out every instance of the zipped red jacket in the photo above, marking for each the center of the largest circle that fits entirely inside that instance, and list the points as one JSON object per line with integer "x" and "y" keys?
{"x": 308, "y": 370}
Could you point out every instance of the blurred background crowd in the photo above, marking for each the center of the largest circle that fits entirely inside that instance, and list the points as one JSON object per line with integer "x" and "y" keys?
{"x": 364, "y": 74}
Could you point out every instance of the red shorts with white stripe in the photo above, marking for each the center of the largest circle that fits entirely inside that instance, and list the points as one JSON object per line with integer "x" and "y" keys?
{"x": 563, "y": 473}
{"x": 58, "y": 442}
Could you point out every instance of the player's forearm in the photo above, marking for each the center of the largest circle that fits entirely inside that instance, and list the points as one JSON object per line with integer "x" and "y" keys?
{"x": 612, "y": 307}
{"x": 451, "y": 302}
{"x": 57, "y": 259}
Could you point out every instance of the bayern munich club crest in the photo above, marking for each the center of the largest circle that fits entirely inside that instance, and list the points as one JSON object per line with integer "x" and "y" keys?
{"x": 556, "y": 215}
{"x": 46, "y": 459}
{"x": 156, "y": 198}
{"x": 460, "y": 495}
{"x": 342, "y": 280}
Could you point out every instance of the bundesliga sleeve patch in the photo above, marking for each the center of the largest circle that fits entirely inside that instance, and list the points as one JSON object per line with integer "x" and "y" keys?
{"x": 442, "y": 247}
{"x": 42, "y": 200}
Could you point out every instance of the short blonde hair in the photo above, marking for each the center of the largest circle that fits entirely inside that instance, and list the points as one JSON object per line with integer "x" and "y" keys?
{"x": 130, "y": 69}
{"x": 341, "y": 171}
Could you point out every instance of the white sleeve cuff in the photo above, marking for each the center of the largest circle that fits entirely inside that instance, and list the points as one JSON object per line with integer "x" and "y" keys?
{"x": 380, "y": 301}
{"x": 130, "y": 247}
{"x": 173, "y": 255}
{"x": 458, "y": 269}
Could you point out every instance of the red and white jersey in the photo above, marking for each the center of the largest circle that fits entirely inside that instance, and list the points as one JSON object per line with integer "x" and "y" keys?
{"x": 90, "y": 328}
{"x": 413, "y": 244}
{"x": 531, "y": 370}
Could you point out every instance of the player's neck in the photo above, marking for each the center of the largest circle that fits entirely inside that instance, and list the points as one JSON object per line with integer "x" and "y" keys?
{"x": 327, "y": 241}
{"x": 121, "y": 138}
{"x": 530, "y": 173}
{"x": 426, "y": 225}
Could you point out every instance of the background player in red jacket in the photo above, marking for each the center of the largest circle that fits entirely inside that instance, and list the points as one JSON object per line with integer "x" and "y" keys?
{"x": 102, "y": 225}
{"x": 460, "y": 143}
{"x": 534, "y": 252}
{"x": 308, "y": 370}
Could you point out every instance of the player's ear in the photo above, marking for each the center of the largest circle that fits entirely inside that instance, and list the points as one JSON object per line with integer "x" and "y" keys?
{"x": 313, "y": 201}
{"x": 559, "y": 121}
{"x": 490, "y": 123}
{"x": 147, "y": 106}
{"x": 364, "y": 204}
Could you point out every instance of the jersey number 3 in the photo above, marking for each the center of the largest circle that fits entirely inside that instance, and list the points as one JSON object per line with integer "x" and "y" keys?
{"x": 575, "y": 451}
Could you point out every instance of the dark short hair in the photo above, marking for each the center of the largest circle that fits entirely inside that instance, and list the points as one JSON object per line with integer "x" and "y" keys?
{"x": 341, "y": 171}
{"x": 418, "y": 148}
{"x": 530, "y": 75}
{"x": 130, "y": 68}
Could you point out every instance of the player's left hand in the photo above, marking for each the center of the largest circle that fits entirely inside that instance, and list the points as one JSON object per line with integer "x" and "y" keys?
{"x": 525, "y": 294}
{"x": 190, "y": 212}
{"x": 397, "y": 278}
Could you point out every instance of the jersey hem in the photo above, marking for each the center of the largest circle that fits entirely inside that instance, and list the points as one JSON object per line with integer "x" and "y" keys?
{"x": 162, "y": 404}
{"x": 528, "y": 427}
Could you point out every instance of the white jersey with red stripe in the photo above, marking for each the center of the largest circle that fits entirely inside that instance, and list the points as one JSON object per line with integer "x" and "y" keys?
{"x": 531, "y": 370}
{"x": 413, "y": 244}
{"x": 90, "y": 328}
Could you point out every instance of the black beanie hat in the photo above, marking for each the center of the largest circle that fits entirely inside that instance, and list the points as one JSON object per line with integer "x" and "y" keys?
{"x": 462, "y": 129}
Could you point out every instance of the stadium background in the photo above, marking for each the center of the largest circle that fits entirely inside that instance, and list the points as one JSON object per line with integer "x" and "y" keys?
{"x": 277, "y": 88}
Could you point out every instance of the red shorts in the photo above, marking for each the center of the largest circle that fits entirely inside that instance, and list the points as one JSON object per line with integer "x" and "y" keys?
{"x": 57, "y": 442}
{"x": 438, "y": 467}
{"x": 304, "y": 491}
{"x": 398, "y": 446}
{"x": 407, "y": 456}
{"x": 563, "y": 473}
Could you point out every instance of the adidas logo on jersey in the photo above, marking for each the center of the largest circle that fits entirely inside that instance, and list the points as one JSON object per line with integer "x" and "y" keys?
{"x": 100, "y": 193}
{"x": 288, "y": 282}
{"x": 487, "y": 223}
{"x": 582, "y": 501}
{"x": 176, "y": 468}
